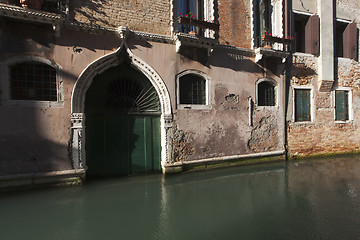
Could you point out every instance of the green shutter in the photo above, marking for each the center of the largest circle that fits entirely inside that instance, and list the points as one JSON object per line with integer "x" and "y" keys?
{"x": 341, "y": 105}
{"x": 302, "y": 105}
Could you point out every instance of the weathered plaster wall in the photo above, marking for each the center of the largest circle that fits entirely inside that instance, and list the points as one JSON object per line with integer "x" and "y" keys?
{"x": 34, "y": 138}
{"x": 145, "y": 15}
{"x": 235, "y": 22}
{"x": 324, "y": 135}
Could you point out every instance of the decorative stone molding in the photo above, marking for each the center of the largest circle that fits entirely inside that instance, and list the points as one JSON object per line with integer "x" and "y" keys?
{"x": 183, "y": 39}
{"x": 123, "y": 32}
{"x": 77, "y": 151}
{"x": 94, "y": 29}
{"x": 29, "y": 14}
{"x": 152, "y": 37}
{"x": 325, "y": 85}
{"x": 260, "y": 52}
{"x": 85, "y": 80}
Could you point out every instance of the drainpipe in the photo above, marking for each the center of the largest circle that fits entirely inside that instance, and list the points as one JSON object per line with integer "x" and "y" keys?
{"x": 287, "y": 21}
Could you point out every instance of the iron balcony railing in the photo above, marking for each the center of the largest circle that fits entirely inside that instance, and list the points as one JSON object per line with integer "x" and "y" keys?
{"x": 52, "y": 6}
{"x": 197, "y": 27}
{"x": 274, "y": 43}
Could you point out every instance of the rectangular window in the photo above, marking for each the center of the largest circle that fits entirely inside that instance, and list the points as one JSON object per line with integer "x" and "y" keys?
{"x": 339, "y": 41}
{"x": 307, "y": 34}
{"x": 341, "y": 105}
{"x": 346, "y": 40}
{"x": 302, "y": 105}
{"x": 33, "y": 81}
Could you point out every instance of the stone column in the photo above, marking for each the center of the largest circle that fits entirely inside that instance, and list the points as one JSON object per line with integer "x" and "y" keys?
{"x": 77, "y": 141}
{"x": 326, "y": 58}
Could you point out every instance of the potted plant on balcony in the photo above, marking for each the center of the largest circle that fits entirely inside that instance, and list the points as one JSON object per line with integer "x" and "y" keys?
{"x": 194, "y": 25}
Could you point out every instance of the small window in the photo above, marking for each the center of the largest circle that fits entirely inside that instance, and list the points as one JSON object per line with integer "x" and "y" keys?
{"x": 266, "y": 94}
{"x": 33, "y": 81}
{"x": 192, "y": 89}
{"x": 341, "y": 105}
{"x": 302, "y": 105}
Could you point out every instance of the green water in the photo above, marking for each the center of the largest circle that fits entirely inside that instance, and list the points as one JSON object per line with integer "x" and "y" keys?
{"x": 299, "y": 200}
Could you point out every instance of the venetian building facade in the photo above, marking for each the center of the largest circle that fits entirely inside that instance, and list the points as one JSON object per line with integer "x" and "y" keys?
{"x": 133, "y": 87}
{"x": 323, "y": 105}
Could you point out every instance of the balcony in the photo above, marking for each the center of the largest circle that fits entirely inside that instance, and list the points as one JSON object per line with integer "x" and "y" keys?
{"x": 196, "y": 27}
{"x": 196, "y": 33}
{"x": 274, "y": 43}
{"x": 270, "y": 45}
{"x": 50, "y": 6}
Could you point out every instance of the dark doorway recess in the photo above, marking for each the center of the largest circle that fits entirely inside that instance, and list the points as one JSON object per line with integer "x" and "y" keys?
{"x": 122, "y": 124}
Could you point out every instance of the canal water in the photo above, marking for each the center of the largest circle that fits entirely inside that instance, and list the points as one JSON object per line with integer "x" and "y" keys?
{"x": 312, "y": 199}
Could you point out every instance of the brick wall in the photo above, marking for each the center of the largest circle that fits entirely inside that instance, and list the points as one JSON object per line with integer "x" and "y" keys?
{"x": 235, "y": 22}
{"x": 142, "y": 15}
{"x": 324, "y": 135}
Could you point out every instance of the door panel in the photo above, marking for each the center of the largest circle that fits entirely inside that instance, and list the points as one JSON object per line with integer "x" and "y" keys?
{"x": 94, "y": 144}
{"x": 116, "y": 146}
{"x": 156, "y": 140}
{"x": 119, "y": 144}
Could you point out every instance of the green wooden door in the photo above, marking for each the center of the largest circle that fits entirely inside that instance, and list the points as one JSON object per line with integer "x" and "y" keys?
{"x": 122, "y": 124}
{"x": 122, "y": 144}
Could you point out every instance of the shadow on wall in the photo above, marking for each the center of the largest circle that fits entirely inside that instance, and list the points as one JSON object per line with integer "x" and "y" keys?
{"x": 94, "y": 15}
{"x": 236, "y": 62}
{"x": 25, "y": 145}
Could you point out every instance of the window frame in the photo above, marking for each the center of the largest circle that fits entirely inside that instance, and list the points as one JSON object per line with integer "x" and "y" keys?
{"x": 274, "y": 15}
{"x": 276, "y": 94}
{"x": 350, "y": 105}
{"x": 5, "y": 82}
{"x": 312, "y": 104}
{"x": 208, "y": 14}
{"x": 207, "y": 90}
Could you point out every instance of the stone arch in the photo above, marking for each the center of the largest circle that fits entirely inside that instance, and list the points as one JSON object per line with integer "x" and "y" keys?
{"x": 121, "y": 55}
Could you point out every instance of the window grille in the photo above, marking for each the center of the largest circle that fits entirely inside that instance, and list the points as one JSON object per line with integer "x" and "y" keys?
{"x": 33, "y": 81}
{"x": 266, "y": 94}
{"x": 128, "y": 96}
{"x": 192, "y": 89}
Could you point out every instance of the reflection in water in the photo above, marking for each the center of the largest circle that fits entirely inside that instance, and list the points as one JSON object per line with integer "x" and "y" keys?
{"x": 305, "y": 200}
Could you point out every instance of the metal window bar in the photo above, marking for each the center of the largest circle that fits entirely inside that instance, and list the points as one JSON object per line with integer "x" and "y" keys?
{"x": 33, "y": 81}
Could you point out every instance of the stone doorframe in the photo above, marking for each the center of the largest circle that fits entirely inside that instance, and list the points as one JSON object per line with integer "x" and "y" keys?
{"x": 123, "y": 54}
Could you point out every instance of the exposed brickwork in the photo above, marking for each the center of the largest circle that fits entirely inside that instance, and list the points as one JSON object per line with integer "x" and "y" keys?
{"x": 142, "y": 15}
{"x": 304, "y": 70}
{"x": 324, "y": 135}
{"x": 235, "y": 23}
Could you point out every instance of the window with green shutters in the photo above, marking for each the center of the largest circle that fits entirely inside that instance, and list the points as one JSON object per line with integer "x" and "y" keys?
{"x": 341, "y": 105}
{"x": 302, "y": 105}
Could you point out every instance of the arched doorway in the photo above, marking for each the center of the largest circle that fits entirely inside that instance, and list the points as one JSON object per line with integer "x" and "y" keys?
{"x": 122, "y": 123}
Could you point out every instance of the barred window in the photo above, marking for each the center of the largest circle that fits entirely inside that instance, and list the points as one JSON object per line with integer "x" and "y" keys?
{"x": 33, "y": 81}
{"x": 266, "y": 94}
{"x": 192, "y": 89}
